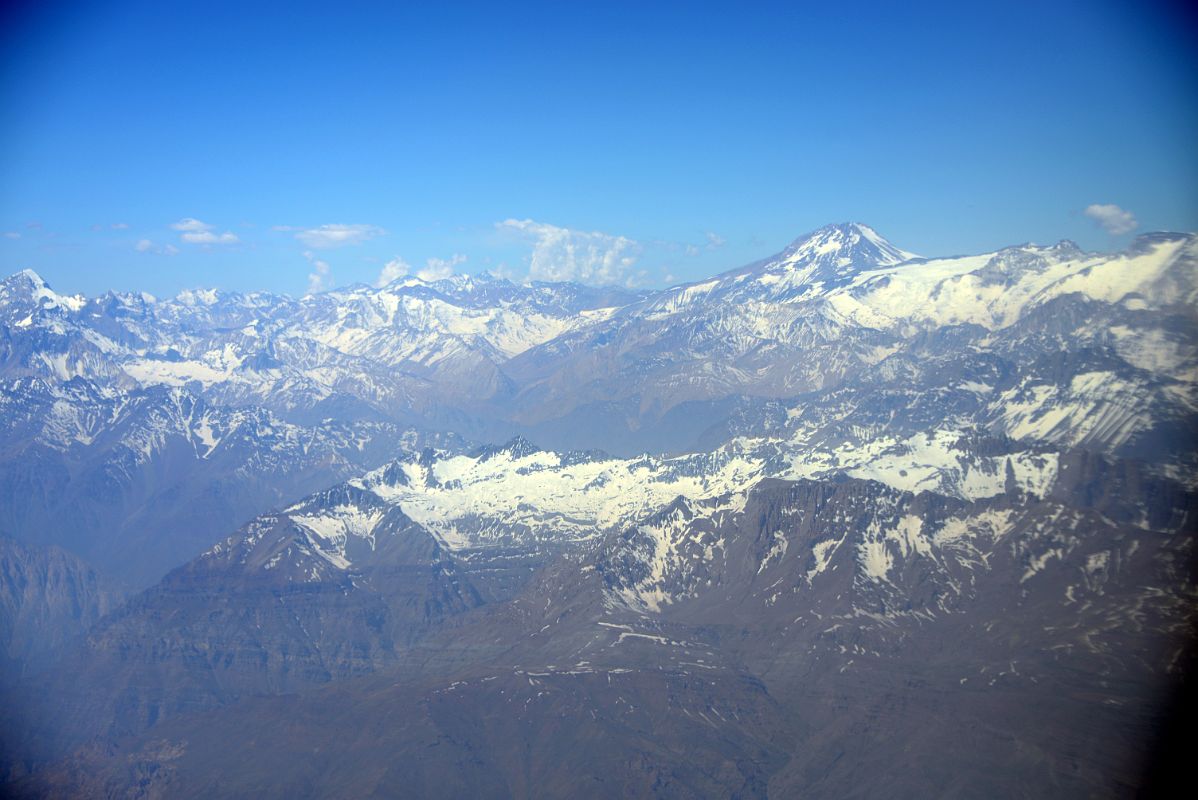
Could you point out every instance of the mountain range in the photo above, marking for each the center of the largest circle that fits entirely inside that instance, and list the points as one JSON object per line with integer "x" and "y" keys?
{"x": 847, "y": 521}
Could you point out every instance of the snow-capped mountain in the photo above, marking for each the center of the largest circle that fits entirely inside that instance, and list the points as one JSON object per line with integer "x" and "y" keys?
{"x": 803, "y": 503}
{"x": 397, "y": 348}
{"x": 842, "y": 342}
{"x": 819, "y": 262}
{"x": 774, "y": 331}
{"x": 579, "y": 367}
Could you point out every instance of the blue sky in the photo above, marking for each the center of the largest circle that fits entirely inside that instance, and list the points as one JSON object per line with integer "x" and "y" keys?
{"x": 159, "y": 146}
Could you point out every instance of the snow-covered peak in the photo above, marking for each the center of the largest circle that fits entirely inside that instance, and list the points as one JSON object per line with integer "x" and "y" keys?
{"x": 516, "y": 448}
{"x": 31, "y": 277}
{"x": 25, "y": 283}
{"x": 26, "y": 291}
{"x": 815, "y": 263}
{"x": 452, "y": 283}
{"x": 465, "y": 283}
{"x": 198, "y": 297}
{"x": 847, "y": 244}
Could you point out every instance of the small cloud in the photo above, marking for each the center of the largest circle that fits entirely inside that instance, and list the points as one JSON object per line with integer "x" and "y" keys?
{"x": 191, "y": 224}
{"x": 193, "y": 231}
{"x": 434, "y": 269}
{"x": 148, "y": 246}
{"x": 119, "y": 226}
{"x": 562, "y": 254}
{"x": 208, "y": 237}
{"x": 97, "y": 227}
{"x": 715, "y": 241}
{"x": 393, "y": 270}
{"x": 320, "y": 278}
{"x": 502, "y": 271}
{"x": 437, "y": 269}
{"x": 11, "y": 235}
{"x": 324, "y": 237}
{"x": 1113, "y": 219}
{"x": 33, "y": 226}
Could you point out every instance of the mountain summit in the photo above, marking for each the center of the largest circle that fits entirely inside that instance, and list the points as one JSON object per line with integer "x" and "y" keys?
{"x": 843, "y": 245}
{"x": 26, "y": 283}
{"x": 24, "y": 293}
{"x": 825, "y": 259}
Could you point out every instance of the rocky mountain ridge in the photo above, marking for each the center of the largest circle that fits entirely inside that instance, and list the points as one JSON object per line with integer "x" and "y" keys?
{"x": 843, "y": 499}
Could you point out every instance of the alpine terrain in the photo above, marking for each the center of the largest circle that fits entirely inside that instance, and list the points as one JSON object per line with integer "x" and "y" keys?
{"x": 844, "y": 522}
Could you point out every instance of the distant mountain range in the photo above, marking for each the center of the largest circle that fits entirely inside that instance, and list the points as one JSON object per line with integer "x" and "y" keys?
{"x": 845, "y": 521}
{"x": 482, "y": 354}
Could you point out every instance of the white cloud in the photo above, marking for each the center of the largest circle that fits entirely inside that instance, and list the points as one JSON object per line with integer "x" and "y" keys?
{"x": 193, "y": 231}
{"x": 562, "y": 254}
{"x": 1114, "y": 220}
{"x": 208, "y": 237}
{"x": 320, "y": 278}
{"x": 148, "y": 246}
{"x": 323, "y": 237}
{"x": 440, "y": 268}
{"x": 119, "y": 226}
{"x": 715, "y": 241}
{"x": 393, "y": 270}
{"x": 434, "y": 269}
{"x": 503, "y": 271}
{"x": 191, "y": 224}
{"x": 11, "y": 235}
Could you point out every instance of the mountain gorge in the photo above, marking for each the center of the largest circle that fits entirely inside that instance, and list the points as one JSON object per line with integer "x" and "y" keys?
{"x": 799, "y": 529}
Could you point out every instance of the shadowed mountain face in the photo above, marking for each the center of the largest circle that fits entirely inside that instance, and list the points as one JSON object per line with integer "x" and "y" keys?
{"x": 48, "y": 597}
{"x": 913, "y": 527}
{"x": 761, "y": 646}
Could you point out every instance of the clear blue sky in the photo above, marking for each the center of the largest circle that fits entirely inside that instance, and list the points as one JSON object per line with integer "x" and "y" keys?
{"x": 705, "y": 135}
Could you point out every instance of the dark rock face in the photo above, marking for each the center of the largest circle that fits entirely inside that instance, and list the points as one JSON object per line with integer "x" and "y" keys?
{"x": 236, "y": 623}
{"x": 590, "y": 736}
{"x": 48, "y": 597}
{"x": 994, "y": 652}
